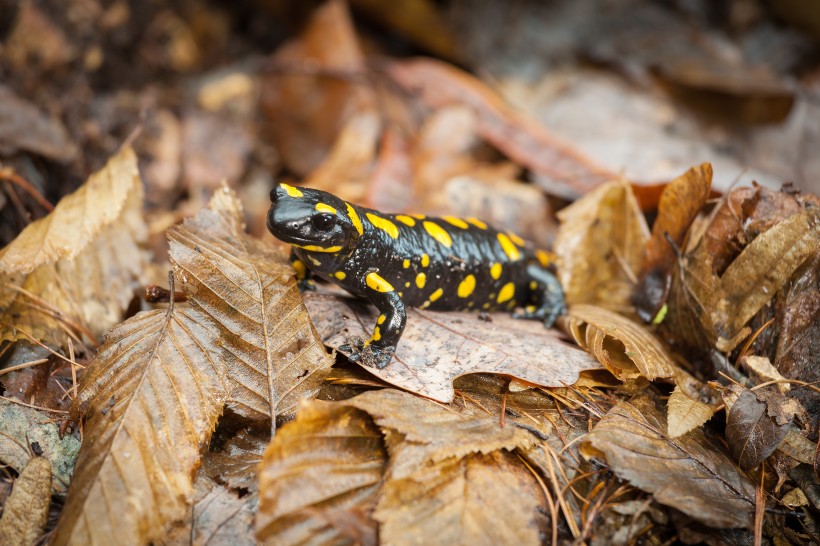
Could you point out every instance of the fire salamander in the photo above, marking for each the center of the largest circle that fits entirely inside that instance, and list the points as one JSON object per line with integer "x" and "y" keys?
{"x": 396, "y": 261}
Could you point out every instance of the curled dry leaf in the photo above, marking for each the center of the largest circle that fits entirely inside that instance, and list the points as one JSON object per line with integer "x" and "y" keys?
{"x": 20, "y": 426}
{"x": 691, "y": 473}
{"x": 79, "y": 264}
{"x": 679, "y": 204}
{"x": 600, "y": 246}
{"x": 686, "y": 413}
{"x": 624, "y": 347}
{"x": 438, "y": 347}
{"x": 328, "y": 461}
{"x": 151, "y": 397}
{"x": 273, "y": 355}
{"x": 25, "y": 512}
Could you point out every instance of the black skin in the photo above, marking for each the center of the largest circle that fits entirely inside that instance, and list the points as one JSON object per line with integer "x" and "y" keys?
{"x": 381, "y": 258}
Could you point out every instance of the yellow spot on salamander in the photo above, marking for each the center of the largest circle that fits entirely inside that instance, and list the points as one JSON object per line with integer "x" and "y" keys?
{"x": 418, "y": 216}
{"x": 301, "y": 270}
{"x": 436, "y": 295}
{"x": 406, "y": 263}
{"x": 316, "y": 248}
{"x": 407, "y": 220}
{"x": 383, "y": 224}
{"x": 506, "y": 293}
{"x": 340, "y": 275}
{"x": 425, "y": 260}
{"x": 377, "y": 334}
{"x": 421, "y": 280}
{"x": 508, "y": 247}
{"x": 425, "y": 305}
{"x": 485, "y": 306}
{"x": 401, "y": 294}
{"x": 354, "y": 218}
{"x": 377, "y": 283}
{"x": 533, "y": 285}
{"x": 293, "y": 192}
{"x": 544, "y": 258}
{"x": 477, "y": 223}
{"x": 381, "y": 320}
{"x": 407, "y": 284}
{"x": 530, "y": 308}
{"x": 495, "y": 271}
{"x": 458, "y": 222}
{"x": 314, "y": 261}
{"x": 466, "y": 287}
{"x": 321, "y": 207}
{"x": 516, "y": 239}
{"x": 437, "y": 232}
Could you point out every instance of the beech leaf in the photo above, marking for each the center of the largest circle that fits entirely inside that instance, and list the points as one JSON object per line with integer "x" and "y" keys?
{"x": 25, "y": 512}
{"x": 437, "y": 347}
{"x": 151, "y": 397}
{"x": 686, "y": 413}
{"x": 273, "y": 354}
{"x": 329, "y": 460}
{"x": 690, "y": 473}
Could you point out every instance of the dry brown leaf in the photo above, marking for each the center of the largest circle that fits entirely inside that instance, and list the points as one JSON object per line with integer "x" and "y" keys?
{"x": 151, "y": 397}
{"x": 679, "y": 204}
{"x": 331, "y": 459}
{"x": 761, "y": 367}
{"x": 477, "y": 500}
{"x": 517, "y": 136}
{"x": 273, "y": 355}
{"x": 432, "y": 433}
{"x": 600, "y": 246}
{"x": 235, "y": 464}
{"x": 624, "y": 347}
{"x": 691, "y": 474}
{"x": 83, "y": 260}
{"x": 26, "y": 510}
{"x": 438, "y": 347}
{"x": 685, "y": 413}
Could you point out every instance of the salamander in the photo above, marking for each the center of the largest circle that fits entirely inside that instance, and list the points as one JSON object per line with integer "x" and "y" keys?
{"x": 395, "y": 261}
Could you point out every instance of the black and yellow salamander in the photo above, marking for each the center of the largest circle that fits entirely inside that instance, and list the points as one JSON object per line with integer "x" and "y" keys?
{"x": 396, "y": 261}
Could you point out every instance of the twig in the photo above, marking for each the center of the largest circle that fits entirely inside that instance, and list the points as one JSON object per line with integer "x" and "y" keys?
{"x": 23, "y": 365}
{"x": 8, "y": 174}
{"x": 13, "y": 401}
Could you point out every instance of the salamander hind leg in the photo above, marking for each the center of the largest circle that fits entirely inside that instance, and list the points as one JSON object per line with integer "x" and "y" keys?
{"x": 546, "y": 295}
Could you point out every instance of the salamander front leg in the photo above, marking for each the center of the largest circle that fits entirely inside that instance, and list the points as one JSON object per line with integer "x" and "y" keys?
{"x": 548, "y": 297}
{"x": 386, "y": 334}
{"x": 303, "y": 274}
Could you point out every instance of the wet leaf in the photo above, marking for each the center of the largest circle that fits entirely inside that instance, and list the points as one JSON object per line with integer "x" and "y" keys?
{"x": 600, "y": 247}
{"x": 690, "y": 473}
{"x": 680, "y": 202}
{"x": 624, "y": 347}
{"x": 329, "y": 461}
{"x": 82, "y": 261}
{"x": 21, "y": 426}
{"x": 514, "y": 134}
{"x": 151, "y": 397}
{"x": 754, "y": 429}
{"x": 438, "y": 347}
{"x": 480, "y": 499}
{"x": 26, "y": 510}
{"x": 236, "y": 463}
{"x": 686, "y": 413}
{"x": 274, "y": 356}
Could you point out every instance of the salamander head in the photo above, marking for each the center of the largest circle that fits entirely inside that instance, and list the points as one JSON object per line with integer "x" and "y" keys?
{"x": 313, "y": 220}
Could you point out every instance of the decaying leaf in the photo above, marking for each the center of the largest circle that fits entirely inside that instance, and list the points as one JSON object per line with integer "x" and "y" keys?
{"x": 21, "y": 426}
{"x": 274, "y": 356}
{"x": 690, "y": 473}
{"x": 325, "y": 465}
{"x": 26, "y": 510}
{"x": 680, "y": 202}
{"x": 438, "y": 347}
{"x": 151, "y": 398}
{"x": 80, "y": 264}
{"x": 686, "y": 413}
{"x": 624, "y": 347}
{"x": 476, "y": 500}
{"x": 600, "y": 246}
{"x": 236, "y": 463}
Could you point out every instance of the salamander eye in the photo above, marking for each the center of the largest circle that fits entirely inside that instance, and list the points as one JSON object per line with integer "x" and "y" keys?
{"x": 323, "y": 222}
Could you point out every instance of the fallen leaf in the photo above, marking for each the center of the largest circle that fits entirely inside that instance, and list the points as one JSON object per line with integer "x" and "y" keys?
{"x": 600, "y": 246}
{"x": 25, "y": 512}
{"x": 624, "y": 347}
{"x": 214, "y": 148}
{"x": 479, "y": 499}
{"x": 80, "y": 264}
{"x": 691, "y": 473}
{"x": 686, "y": 413}
{"x": 273, "y": 355}
{"x": 680, "y": 202}
{"x": 514, "y": 134}
{"x": 24, "y": 127}
{"x": 331, "y": 458}
{"x": 438, "y": 347}
{"x": 21, "y": 426}
{"x": 762, "y": 367}
{"x": 235, "y": 464}
{"x": 151, "y": 397}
